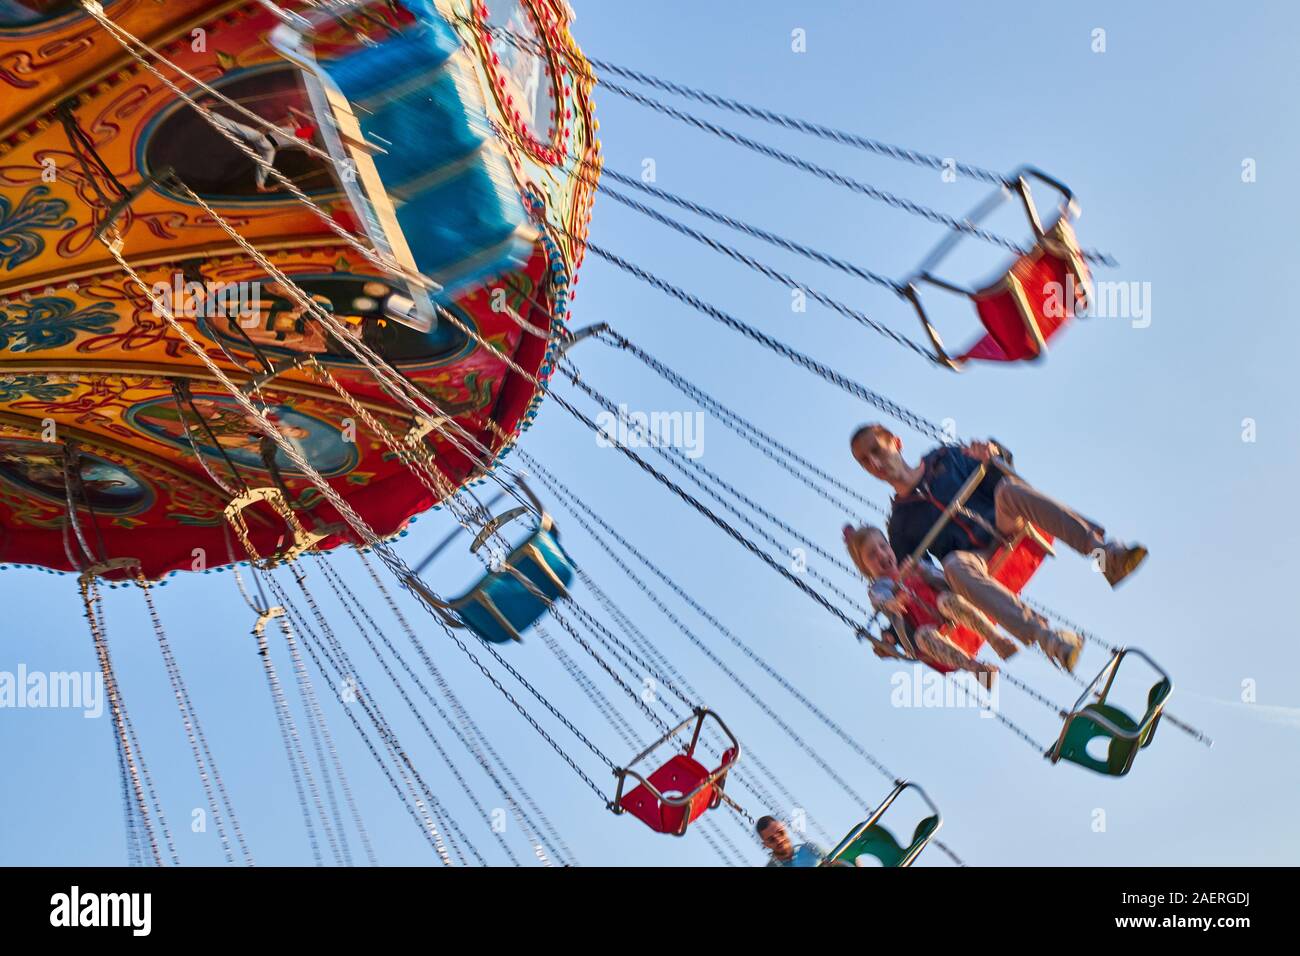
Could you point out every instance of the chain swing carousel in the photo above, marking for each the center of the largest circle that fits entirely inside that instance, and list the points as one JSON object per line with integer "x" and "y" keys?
{"x": 278, "y": 278}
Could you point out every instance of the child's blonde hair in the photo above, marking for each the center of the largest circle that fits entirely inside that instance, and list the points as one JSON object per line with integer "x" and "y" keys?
{"x": 853, "y": 538}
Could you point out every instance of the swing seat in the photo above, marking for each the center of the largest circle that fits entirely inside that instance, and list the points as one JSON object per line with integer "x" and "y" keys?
{"x": 878, "y": 842}
{"x": 1101, "y": 720}
{"x": 680, "y": 791}
{"x": 675, "y": 795}
{"x": 1029, "y": 303}
{"x": 870, "y": 838}
{"x": 1012, "y": 565}
{"x": 509, "y": 600}
{"x": 425, "y": 178}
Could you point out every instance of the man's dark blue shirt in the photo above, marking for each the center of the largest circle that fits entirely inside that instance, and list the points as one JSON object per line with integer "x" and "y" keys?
{"x": 914, "y": 514}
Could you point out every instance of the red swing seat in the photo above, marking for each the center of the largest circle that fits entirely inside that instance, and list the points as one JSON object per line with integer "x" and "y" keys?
{"x": 1024, "y": 310}
{"x": 681, "y": 790}
{"x": 1032, "y": 300}
{"x": 652, "y": 802}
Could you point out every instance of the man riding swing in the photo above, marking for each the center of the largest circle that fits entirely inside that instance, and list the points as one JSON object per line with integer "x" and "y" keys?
{"x": 1001, "y": 501}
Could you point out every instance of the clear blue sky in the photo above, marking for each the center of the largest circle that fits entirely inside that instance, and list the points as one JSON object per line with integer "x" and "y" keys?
{"x": 1140, "y": 428}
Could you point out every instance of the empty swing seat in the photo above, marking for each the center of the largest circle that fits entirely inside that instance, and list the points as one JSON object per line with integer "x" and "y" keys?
{"x": 425, "y": 177}
{"x": 509, "y": 600}
{"x": 1029, "y": 302}
{"x": 675, "y": 795}
{"x": 870, "y": 838}
{"x": 680, "y": 791}
{"x": 457, "y": 202}
{"x": 878, "y": 842}
{"x": 1100, "y": 720}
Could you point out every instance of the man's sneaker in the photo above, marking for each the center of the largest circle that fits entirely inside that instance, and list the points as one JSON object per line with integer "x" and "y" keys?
{"x": 1121, "y": 560}
{"x": 1064, "y": 647}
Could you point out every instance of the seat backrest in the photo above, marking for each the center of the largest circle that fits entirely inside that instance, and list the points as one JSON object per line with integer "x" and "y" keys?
{"x": 1013, "y": 567}
{"x": 921, "y": 612}
{"x": 878, "y": 842}
{"x": 1156, "y": 698}
{"x": 729, "y": 757}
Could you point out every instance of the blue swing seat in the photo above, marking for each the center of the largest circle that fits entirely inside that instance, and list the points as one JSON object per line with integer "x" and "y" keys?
{"x": 509, "y": 600}
{"x": 456, "y": 199}
{"x": 432, "y": 186}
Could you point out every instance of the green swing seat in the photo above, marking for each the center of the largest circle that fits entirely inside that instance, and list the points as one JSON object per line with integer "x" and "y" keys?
{"x": 877, "y": 841}
{"x": 869, "y": 838}
{"x": 1101, "y": 720}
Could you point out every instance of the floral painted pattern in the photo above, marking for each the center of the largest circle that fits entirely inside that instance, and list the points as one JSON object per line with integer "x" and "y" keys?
{"x": 20, "y": 238}
{"x": 51, "y": 321}
{"x": 38, "y": 387}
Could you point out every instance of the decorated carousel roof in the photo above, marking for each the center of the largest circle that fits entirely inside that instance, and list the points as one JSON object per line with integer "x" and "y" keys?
{"x": 96, "y": 143}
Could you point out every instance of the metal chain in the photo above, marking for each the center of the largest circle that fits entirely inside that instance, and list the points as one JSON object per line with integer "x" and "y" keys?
{"x": 288, "y": 735}
{"x": 707, "y": 834}
{"x": 471, "y": 733}
{"x": 937, "y": 163}
{"x": 593, "y": 693}
{"x": 822, "y": 172}
{"x": 721, "y": 523}
{"x": 410, "y": 800}
{"x": 879, "y": 401}
{"x": 710, "y": 654}
{"x": 865, "y": 189}
{"x": 315, "y": 719}
{"x": 575, "y": 505}
{"x": 419, "y": 810}
{"x": 757, "y": 437}
{"x": 138, "y": 751}
{"x": 343, "y": 664}
{"x": 693, "y": 470}
{"x": 581, "y": 66}
{"x": 732, "y": 252}
{"x": 349, "y": 600}
{"x": 318, "y": 715}
{"x": 643, "y": 642}
{"x": 784, "y": 278}
{"x": 604, "y": 665}
{"x": 209, "y": 774}
{"x": 90, "y": 598}
{"x": 741, "y": 772}
{"x": 756, "y": 232}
